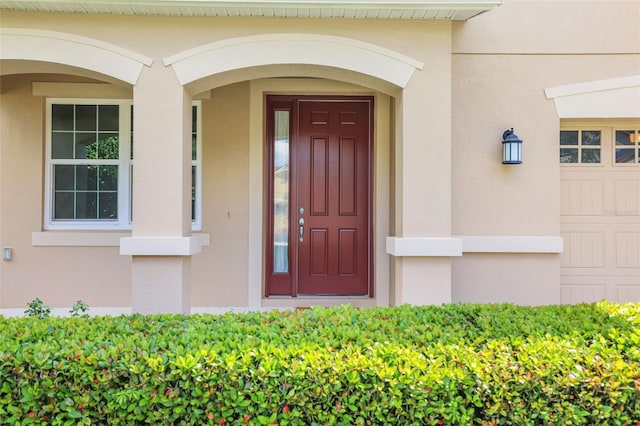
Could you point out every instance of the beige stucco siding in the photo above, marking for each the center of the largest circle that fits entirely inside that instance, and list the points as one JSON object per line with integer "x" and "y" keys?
{"x": 495, "y": 92}
{"x": 461, "y": 225}
{"x": 559, "y": 27}
{"x": 524, "y": 279}
{"x": 502, "y": 62}
{"x": 159, "y": 37}
{"x": 57, "y": 275}
{"x": 219, "y": 273}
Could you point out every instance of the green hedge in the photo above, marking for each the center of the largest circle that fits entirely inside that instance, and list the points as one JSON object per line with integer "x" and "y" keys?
{"x": 457, "y": 364}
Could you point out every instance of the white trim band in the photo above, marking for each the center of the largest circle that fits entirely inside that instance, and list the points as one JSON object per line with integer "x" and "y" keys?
{"x": 456, "y": 246}
{"x": 162, "y": 246}
{"x": 401, "y": 247}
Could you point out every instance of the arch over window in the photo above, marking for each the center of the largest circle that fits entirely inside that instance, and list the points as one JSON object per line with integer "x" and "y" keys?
{"x": 72, "y": 50}
{"x": 305, "y": 49}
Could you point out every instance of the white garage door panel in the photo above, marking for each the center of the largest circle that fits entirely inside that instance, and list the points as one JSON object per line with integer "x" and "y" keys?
{"x": 628, "y": 293}
{"x": 600, "y": 223}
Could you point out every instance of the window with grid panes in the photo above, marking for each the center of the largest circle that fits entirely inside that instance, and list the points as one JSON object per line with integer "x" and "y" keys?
{"x": 580, "y": 146}
{"x": 627, "y": 147}
{"x": 90, "y": 164}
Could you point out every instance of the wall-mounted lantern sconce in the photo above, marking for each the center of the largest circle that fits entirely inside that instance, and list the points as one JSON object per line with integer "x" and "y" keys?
{"x": 6, "y": 254}
{"x": 511, "y": 148}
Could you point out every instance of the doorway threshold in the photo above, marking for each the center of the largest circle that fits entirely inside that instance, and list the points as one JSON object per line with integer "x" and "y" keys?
{"x": 324, "y": 301}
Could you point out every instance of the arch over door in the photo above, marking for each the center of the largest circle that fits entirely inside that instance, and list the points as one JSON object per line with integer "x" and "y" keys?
{"x": 278, "y": 49}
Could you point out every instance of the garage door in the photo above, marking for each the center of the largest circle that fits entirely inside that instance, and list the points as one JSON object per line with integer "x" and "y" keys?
{"x": 600, "y": 212}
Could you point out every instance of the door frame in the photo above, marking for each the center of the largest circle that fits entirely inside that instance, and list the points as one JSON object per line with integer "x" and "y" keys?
{"x": 286, "y": 284}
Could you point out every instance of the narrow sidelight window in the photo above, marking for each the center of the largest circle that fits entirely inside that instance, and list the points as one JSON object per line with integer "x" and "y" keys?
{"x": 281, "y": 192}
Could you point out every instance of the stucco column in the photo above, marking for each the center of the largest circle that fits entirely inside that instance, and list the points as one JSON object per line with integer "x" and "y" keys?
{"x": 421, "y": 245}
{"x": 161, "y": 243}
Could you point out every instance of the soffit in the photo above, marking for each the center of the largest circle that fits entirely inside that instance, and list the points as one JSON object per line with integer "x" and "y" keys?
{"x": 353, "y": 9}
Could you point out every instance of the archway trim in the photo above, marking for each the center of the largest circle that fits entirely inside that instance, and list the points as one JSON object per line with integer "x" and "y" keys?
{"x": 277, "y": 49}
{"x": 614, "y": 97}
{"x": 73, "y": 50}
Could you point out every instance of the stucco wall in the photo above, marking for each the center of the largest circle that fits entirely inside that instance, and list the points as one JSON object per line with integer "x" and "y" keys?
{"x": 524, "y": 279}
{"x": 219, "y": 274}
{"x": 158, "y": 37}
{"x": 499, "y": 66}
{"x": 57, "y": 275}
{"x": 502, "y": 62}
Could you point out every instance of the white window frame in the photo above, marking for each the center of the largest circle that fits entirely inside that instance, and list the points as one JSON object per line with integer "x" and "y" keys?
{"x": 124, "y": 130}
{"x": 635, "y": 147}
{"x": 196, "y": 223}
{"x": 125, "y": 166}
{"x": 580, "y": 146}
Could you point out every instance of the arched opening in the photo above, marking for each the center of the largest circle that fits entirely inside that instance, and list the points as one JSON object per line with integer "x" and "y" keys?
{"x": 235, "y": 76}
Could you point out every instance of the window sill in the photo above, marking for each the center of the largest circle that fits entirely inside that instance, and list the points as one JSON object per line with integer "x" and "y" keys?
{"x": 87, "y": 239}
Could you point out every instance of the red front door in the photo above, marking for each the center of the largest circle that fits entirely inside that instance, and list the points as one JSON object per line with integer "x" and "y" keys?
{"x": 328, "y": 241}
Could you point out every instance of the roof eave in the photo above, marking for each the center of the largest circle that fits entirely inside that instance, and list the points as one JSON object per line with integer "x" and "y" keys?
{"x": 354, "y": 9}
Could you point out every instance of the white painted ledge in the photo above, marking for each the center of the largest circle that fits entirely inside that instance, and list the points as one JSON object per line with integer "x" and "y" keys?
{"x": 457, "y": 245}
{"x": 163, "y": 246}
{"x": 509, "y": 244}
{"x": 402, "y": 246}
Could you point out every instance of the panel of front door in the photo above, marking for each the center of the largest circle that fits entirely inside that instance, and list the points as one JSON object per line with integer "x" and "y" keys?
{"x": 333, "y": 189}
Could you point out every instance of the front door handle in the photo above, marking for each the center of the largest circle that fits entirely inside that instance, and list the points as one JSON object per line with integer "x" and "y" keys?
{"x": 301, "y": 223}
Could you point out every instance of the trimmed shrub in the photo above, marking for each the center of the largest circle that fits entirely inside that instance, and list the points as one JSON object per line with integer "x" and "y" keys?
{"x": 457, "y": 364}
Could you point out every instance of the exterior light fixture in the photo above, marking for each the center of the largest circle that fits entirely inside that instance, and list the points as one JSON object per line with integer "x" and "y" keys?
{"x": 511, "y": 148}
{"x": 6, "y": 254}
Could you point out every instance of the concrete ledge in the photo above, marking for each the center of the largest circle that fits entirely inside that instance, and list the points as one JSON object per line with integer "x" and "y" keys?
{"x": 402, "y": 246}
{"x": 457, "y": 245}
{"x": 505, "y": 244}
{"x": 163, "y": 246}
